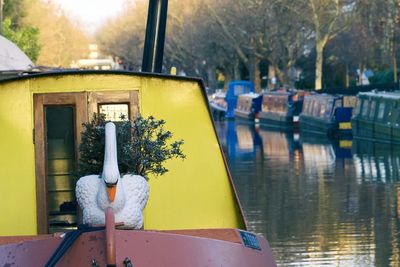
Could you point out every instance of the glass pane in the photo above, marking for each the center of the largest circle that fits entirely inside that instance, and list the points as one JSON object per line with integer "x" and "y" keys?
{"x": 372, "y": 110}
{"x": 381, "y": 111}
{"x": 322, "y": 110}
{"x": 60, "y": 168}
{"x": 114, "y": 112}
{"x": 358, "y": 107}
{"x": 365, "y": 108}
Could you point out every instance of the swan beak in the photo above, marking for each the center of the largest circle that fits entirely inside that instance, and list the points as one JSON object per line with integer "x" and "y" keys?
{"x": 111, "y": 192}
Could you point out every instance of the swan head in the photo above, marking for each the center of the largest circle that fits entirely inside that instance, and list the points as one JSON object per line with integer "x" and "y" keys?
{"x": 110, "y": 173}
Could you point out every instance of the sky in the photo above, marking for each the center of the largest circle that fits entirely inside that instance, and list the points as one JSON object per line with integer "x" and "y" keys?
{"x": 92, "y": 13}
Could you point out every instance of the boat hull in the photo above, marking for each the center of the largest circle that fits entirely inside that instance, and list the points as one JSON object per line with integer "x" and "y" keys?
{"x": 244, "y": 116}
{"x": 213, "y": 247}
{"x": 276, "y": 120}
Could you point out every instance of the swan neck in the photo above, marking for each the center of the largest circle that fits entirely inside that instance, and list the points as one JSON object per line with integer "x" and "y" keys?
{"x": 110, "y": 168}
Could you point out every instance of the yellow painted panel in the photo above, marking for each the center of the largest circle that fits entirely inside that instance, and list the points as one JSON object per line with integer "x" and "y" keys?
{"x": 345, "y": 126}
{"x": 195, "y": 193}
{"x": 79, "y": 83}
{"x": 345, "y": 143}
{"x": 17, "y": 169}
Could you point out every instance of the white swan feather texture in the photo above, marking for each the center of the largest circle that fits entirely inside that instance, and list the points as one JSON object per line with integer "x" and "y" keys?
{"x": 132, "y": 191}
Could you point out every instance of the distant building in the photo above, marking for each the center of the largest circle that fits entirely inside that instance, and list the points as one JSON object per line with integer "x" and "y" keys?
{"x": 93, "y": 62}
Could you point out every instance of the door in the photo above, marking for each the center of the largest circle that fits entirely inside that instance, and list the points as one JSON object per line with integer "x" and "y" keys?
{"x": 58, "y": 126}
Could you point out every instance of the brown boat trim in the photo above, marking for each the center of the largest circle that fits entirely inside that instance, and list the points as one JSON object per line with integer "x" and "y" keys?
{"x": 4, "y": 240}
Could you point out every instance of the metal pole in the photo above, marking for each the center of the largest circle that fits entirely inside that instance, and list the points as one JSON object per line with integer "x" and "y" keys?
{"x": 155, "y": 36}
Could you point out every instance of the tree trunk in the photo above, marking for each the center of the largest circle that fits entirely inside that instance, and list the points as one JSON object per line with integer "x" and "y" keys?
{"x": 257, "y": 79}
{"x": 254, "y": 71}
{"x": 211, "y": 77}
{"x": 282, "y": 77}
{"x": 347, "y": 81}
{"x": 251, "y": 67}
{"x": 394, "y": 67}
{"x": 271, "y": 77}
{"x": 360, "y": 72}
{"x": 318, "y": 66}
{"x": 228, "y": 77}
{"x": 236, "y": 70}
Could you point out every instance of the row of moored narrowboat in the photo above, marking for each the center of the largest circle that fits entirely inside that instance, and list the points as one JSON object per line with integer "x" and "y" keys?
{"x": 372, "y": 115}
{"x": 376, "y": 116}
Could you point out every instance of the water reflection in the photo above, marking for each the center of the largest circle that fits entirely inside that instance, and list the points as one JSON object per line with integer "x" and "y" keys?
{"x": 318, "y": 202}
{"x": 376, "y": 162}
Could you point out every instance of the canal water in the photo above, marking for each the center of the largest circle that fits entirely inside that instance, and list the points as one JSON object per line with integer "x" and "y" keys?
{"x": 318, "y": 202}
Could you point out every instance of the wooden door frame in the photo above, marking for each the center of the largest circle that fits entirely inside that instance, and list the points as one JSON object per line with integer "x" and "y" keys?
{"x": 79, "y": 101}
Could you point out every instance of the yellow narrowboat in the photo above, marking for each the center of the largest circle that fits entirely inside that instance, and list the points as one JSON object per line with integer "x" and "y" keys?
{"x": 41, "y": 116}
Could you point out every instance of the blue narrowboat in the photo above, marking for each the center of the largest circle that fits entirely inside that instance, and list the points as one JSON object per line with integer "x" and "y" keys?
{"x": 236, "y": 88}
{"x": 377, "y": 116}
{"x": 327, "y": 114}
{"x": 281, "y": 109}
{"x": 248, "y": 106}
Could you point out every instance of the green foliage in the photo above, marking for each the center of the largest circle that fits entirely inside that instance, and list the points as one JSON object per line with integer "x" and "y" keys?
{"x": 143, "y": 146}
{"x": 26, "y": 38}
{"x": 92, "y": 146}
{"x": 384, "y": 76}
{"x": 14, "y": 10}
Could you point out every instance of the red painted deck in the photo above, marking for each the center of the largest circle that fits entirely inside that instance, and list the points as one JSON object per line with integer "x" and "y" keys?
{"x": 215, "y": 247}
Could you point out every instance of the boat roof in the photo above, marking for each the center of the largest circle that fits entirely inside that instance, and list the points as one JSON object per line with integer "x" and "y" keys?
{"x": 56, "y": 72}
{"x": 279, "y": 93}
{"x": 381, "y": 94}
{"x": 324, "y": 96}
{"x": 250, "y": 95}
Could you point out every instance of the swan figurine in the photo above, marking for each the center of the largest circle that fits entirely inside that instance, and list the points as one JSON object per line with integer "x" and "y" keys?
{"x": 127, "y": 195}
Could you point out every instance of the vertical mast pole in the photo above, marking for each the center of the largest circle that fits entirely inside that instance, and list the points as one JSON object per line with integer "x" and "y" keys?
{"x": 155, "y": 36}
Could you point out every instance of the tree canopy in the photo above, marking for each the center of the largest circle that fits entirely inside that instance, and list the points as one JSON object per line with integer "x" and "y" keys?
{"x": 321, "y": 41}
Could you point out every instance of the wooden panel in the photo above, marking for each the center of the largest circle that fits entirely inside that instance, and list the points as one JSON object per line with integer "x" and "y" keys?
{"x": 40, "y": 161}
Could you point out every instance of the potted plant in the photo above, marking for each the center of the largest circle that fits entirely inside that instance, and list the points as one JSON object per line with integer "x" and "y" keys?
{"x": 116, "y": 175}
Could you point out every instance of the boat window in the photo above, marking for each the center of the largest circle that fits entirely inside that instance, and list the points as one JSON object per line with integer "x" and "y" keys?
{"x": 365, "y": 108}
{"x": 322, "y": 109}
{"x": 393, "y": 116}
{"x": 271, "y": 103}
{"x": 310, "y": 107}
{"x": 358, "y": 107}
{"x": 316, "y": 108}
{"x": 372, "y": 110}
{"x": 381, "y": 110}
{"x": 307, "y": 106}
{"x": 113, "y": 104}
{"x": 278, "y": 105}
{"x": 265, "y": 103}
{"x": 238, "y": 90}
{"x": 114, "y": 112}
{"x": 329, "y": 107}
{"x": 338, "y": 103}
{"x": 284, "y": 104}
